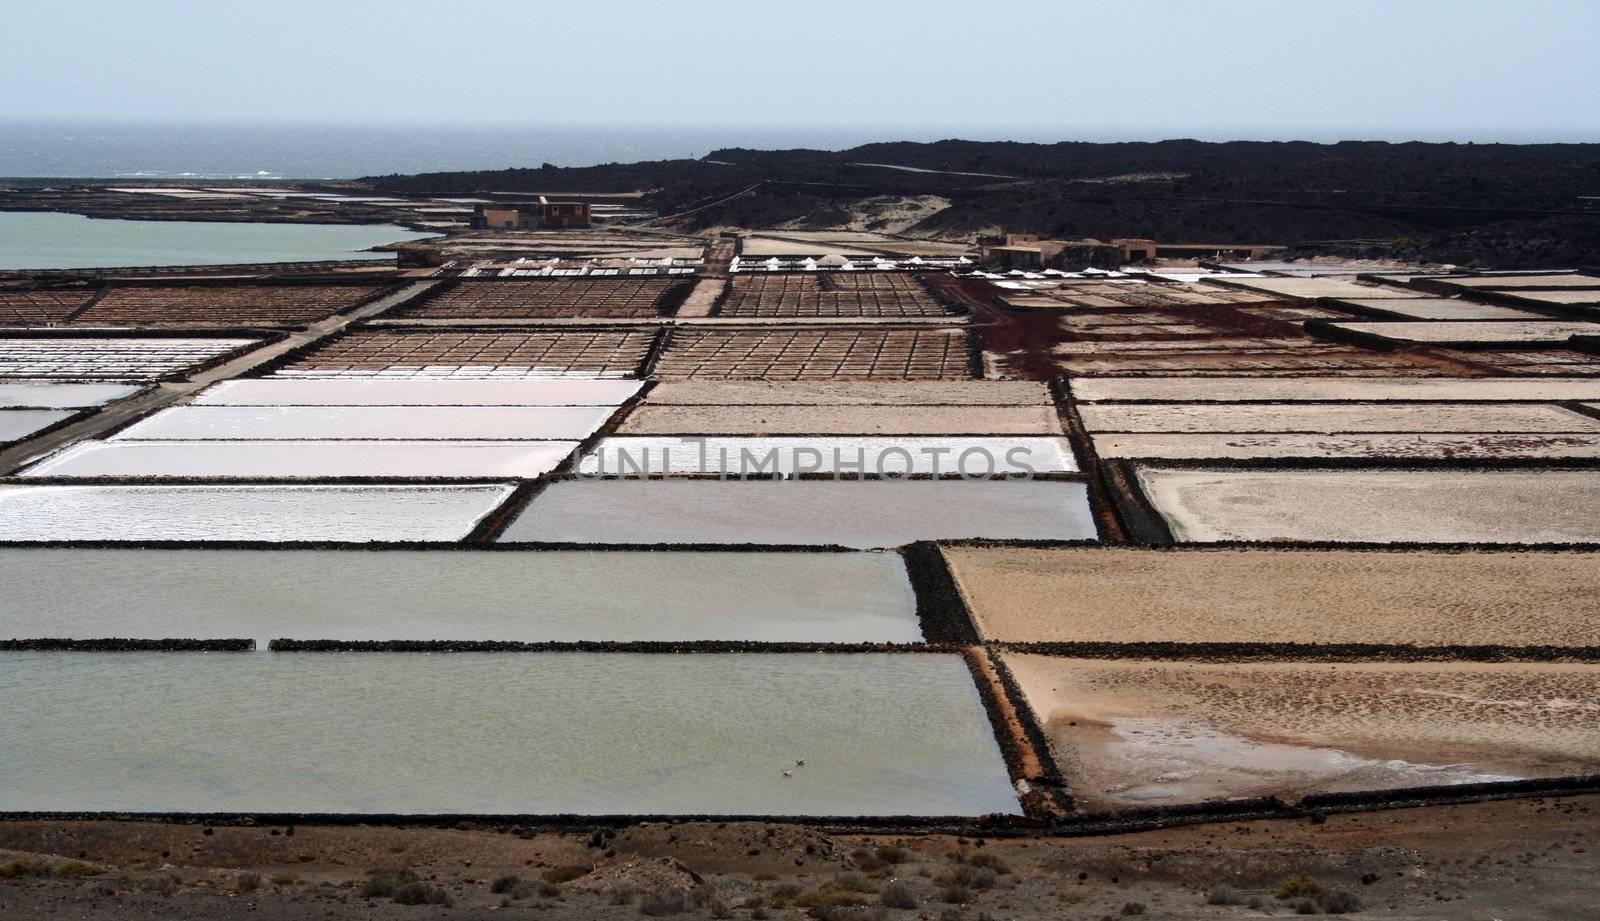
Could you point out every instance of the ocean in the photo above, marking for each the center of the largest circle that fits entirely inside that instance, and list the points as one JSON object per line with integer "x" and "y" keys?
{"x": 310, "y": 152}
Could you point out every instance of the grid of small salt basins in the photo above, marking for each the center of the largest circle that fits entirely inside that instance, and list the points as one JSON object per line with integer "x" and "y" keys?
{"x": 436, "y": 352}
{"x": 1137, "y": 327}
{"x": 41, "y": 307}
{"x": 739, "y": 681}
{"x": 77, "y": 357}
{"x": 582, "y": 297}
{"x": 221, "y": 306}
{"x": 831, "y": 294}
{"x": 1453, "y": 312}
{"x": 831, "y": 354}
{"x": 1323, "y": 587}
{"x": 210, "y": 305}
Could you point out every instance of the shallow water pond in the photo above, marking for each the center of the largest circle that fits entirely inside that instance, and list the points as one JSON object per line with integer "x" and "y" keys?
{"x": 863, "y": 514}
{"x": 455, "y": 595}
{"x": 880, "y": 734}
{"x": 261, "y": 513}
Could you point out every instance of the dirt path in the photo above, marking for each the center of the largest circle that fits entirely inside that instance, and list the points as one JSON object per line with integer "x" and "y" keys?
{"x": 1527, "y": 859}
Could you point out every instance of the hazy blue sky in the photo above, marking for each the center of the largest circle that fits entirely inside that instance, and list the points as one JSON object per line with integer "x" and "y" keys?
{"x": 1431, "y": 69}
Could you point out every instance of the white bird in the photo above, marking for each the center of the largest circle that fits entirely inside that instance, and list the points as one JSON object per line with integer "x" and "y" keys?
{"x": 788, "y": 773}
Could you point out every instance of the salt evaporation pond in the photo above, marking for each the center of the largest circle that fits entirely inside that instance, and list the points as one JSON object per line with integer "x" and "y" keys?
{"x": 49, "y": 240}
{"x": 61, "y": 395}
{"x": 16, "y": 424}
{"x": 402, "y": 392}
{"x": 110, "y": 358}
{"x": 943, "y": 455}
{"x": 1376, "y": 506}
{"x": 362, "y": 422}
{"x": 864, "y": 514}
{"x": 881, "y": 734}
{"x": 259, "y": 513}
{"x": 307, "y": 459}
{"x": 76, "y": 593}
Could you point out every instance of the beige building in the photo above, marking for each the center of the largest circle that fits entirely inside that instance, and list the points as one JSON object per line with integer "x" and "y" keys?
{"x": 1027, "y": 252}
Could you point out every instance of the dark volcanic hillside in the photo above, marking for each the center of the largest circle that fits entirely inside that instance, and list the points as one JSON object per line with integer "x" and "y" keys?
{"x": 1493, "y": 205}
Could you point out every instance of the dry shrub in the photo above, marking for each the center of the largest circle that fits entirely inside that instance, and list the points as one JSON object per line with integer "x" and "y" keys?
{"x": 1299, "y": 886}
{"x": 892, "y": 854}
{"x": 853, "y": 882}
{"x": 659, "y": 902}
{"x": 977, "y": 857}
{"x": 829, "y": 895}
{"x": 162, "y": 885}
{"x": 1338, "y": 902}
{"x": 80, "y": 868}
{"x": 382, "y": 883}
{"x": 555, "y": 876}
{"x": 968, "y": 877}
{"x": 898, "y": 895}
{"x": 848, "y": 913}
{"x": 420, "y": 893}
{"x": 1224, "y": 894}
{"x": 21, "y": 869}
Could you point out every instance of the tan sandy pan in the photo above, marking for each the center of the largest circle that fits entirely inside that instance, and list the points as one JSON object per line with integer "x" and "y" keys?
{"x": 1412, "y": 597}
{"x": 1211, "y": 446}
{"x": 1468, "y": 332}
{"x": 1142, "y": 732}
{"x": 1584, "y": 296}
{"x": 1376, "y": 505}
{"x": 844, "y": 420}
{"x": 1506, "y": 282}
{"x": 1324, "y": 286}
{"x": 1290, "y": 362}
{"x": 829, "y": 393}
{"x": 1440, "y": 308}
{"x": 1317, "y": 389}
{"x": 1329, "y": 418}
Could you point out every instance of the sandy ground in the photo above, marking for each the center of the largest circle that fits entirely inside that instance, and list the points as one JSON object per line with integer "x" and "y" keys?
{"x": 1092, "y": 594}
{"x": 1210, "y": 446}
{"x": 1326, "y": 286}
{"x": 1442, "y": 308}
{"x": 1499, "y": 282}
{"x": 1131, "y": 732}
{"x": 1380, "y": 506}
{"x": 880, "y": 214}
{"x": 1320, "y": 418}
{"x": 1561, "y": 297}
{"x": 841, "y": 420}
{"x": 1500, "y": 332}
{"x": 756, "y": 248}
{"x": 1234, "y": 389}
{"x": 1524, "y": 860}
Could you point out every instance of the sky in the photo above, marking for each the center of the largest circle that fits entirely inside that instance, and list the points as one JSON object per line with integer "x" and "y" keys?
{"x": 1479, "y": 70}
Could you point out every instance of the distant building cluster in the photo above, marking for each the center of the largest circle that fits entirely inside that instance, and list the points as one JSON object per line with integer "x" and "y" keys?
{"x": 1026, "y": 251}
{"x": 541, "y": 215}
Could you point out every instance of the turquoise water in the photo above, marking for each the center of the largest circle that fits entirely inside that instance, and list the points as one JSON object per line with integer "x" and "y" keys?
{"x": 46, "y": 240}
